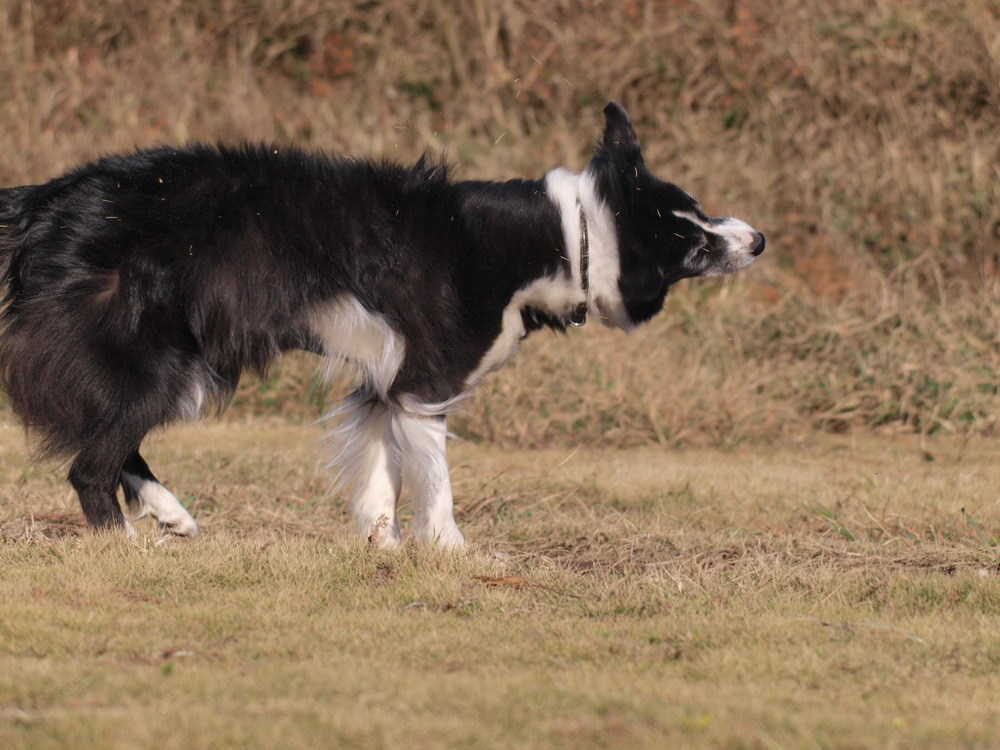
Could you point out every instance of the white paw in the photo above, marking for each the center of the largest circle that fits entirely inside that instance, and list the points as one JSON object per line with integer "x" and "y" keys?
{"x": 445, "y": 536}
{"x": 178, "y": 526}
{"x": 151, "y": 498}
{"x": 449, "y": 542}
{"x": 382, "y": 533}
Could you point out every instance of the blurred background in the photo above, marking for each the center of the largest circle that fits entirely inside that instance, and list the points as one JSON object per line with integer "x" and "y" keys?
{"x": 862, "y": 136}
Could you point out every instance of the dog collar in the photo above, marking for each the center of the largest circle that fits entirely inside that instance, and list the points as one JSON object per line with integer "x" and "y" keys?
{"x": 579, "y": 316}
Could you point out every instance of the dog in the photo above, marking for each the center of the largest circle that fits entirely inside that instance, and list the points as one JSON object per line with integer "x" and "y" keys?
{"x": 138, "y": 288}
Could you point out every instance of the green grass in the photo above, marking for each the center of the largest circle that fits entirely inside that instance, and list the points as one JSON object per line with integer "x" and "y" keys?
{"x": 831, "y": 593}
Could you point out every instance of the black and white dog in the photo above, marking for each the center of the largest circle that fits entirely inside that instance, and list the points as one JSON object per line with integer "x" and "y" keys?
{"x": 138, "y": 288}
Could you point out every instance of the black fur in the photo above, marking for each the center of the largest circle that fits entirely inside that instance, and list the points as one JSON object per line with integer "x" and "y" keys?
{"x": 133, "y": 280}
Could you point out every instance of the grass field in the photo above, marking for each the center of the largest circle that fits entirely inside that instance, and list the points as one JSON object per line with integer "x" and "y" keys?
{"x": 766, "y": 520}
{"x": 836, "y": 592}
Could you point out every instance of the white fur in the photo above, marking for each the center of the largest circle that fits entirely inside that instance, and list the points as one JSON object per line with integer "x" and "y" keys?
{"x": 374, "y": 447}
{"x": 375, "y": 441}
{"x": 557, "y": 294}
{"x": 421, "y": 440}
{"x": 350, "y": 333}
{"x": 606, "y": 301}
{"x": 192, "y": 405}
{"x": 563, "y": 189}
{"x": 153, "y": 499}
{"x": 570, "y": 192}
{"x": 366, "y": 459}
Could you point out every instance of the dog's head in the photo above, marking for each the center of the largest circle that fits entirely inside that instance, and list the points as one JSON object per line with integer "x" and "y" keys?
{"x": 663, "y": 234}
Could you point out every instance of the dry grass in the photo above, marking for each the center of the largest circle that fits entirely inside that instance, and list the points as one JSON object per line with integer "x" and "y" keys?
{"x": 798, "y": 588}
{"x": 862, "y": 137}
{"x": 836, "y": 593}
{"x": 847, "y": 127}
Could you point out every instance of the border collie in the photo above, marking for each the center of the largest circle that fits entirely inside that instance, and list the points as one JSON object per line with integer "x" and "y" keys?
{"x": 138, "y": 288}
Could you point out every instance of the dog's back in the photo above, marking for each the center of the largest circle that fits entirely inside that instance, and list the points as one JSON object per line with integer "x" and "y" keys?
{"x": 173, "y": 271}
{"x": 13, "y": 215}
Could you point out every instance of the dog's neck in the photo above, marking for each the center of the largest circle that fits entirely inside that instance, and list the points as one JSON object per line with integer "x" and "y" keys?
{"x": 591, "y": 243}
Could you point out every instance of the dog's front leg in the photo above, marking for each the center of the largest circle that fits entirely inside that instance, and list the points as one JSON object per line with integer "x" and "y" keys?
{"x": 421, "y": 441}
{"x": 368, "y": 460}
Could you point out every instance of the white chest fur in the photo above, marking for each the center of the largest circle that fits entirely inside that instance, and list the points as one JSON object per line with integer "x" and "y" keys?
{"x": 555, "y": 294}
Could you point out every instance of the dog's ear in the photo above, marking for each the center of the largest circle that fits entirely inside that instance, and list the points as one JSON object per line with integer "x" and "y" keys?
{"x": 618, "y": 133}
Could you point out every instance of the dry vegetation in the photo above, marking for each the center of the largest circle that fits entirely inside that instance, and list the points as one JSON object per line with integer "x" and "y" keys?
{"x": 864, "y": 138}
{"x": 798, "y": 588}
{"x": 839, "y": 593}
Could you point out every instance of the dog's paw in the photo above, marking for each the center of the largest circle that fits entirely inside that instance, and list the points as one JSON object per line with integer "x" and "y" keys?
{"x": 177, "y": 525}
{"x": 383, "y": 533}
{"x": 447, "y": 537}
{"x": 449, "y": 542}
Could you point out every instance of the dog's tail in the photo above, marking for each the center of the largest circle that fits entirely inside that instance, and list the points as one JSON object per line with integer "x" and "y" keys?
{"x": 14, "y": 220}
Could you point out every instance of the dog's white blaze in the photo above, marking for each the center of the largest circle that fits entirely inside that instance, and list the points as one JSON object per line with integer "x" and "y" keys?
{"x": 737, "y": 232}
{"x": 421, "y": 441}
{"x": 153, "y": 499}
{"x": 350, "y": 333}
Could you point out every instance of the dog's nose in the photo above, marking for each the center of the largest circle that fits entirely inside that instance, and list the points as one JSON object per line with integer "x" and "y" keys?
{"x": 758, "y": 243}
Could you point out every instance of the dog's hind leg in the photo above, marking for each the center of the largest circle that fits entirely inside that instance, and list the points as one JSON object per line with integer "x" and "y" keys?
{"x": 367, "y": 459}
{"x": 145, "y": 495}
{"x": 94, "y": 475}
{"x": 421, "y": 440}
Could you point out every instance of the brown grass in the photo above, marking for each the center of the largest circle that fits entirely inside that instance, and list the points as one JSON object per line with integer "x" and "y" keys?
{"x": 864, "y": 127}
{"x": 629, "y": 584}
{"x": 840, "y": 593}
